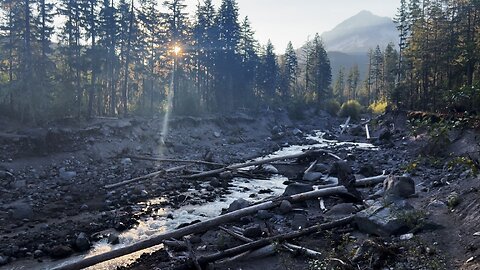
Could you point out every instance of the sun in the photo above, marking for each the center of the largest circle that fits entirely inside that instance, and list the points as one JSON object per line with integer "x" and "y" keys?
{"x": 177, "y": 49}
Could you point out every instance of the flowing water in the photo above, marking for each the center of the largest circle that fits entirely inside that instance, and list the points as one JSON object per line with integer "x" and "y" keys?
{"x": 188, "y": 213}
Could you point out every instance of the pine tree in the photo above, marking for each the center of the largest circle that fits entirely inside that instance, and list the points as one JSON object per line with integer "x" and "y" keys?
{"x": 268, "y": 72}
{"x": 247, "y": 50}
{"x": 319, "y": 70}
{"x": 289, "y": 71}
{"x": 339, "y": 89}
{"x": 205, "y": 38}
{"x": 226, "y": 58}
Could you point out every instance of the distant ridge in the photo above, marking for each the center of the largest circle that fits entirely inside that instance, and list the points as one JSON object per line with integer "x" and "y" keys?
{"x": 360, "y": 33}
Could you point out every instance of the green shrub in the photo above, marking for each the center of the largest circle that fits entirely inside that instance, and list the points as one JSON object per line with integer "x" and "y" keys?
{"x": 351, "y": 108}
{"x": 332, "y": 107}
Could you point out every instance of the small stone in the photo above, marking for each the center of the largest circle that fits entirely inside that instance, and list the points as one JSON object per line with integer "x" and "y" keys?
{"x": 285, "y": 207}
{"x": 82, "y": 242}
{"x": 453, "y": 200}
{"x": 61, "y": 251}
{"x": 297, "y": 132}
{"x": 217, "y": 134}
{"x": 210, "y": 188}
{"x": 67, "y": 175}
{"x": 215, "y": 183}
{"x": 436, "y": 204}
{"x": 113, "y": 239}
{"x": 253, "y": 232}
{"x": 37, "y": 254}
{"x": 406, "y": 237}
{"x": 3, "y": 260}
{"x": 84, "y": 207}
{"x": 126, "y": 162}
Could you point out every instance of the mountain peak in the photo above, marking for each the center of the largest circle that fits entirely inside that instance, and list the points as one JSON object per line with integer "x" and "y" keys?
{"x": 360, "y": 32}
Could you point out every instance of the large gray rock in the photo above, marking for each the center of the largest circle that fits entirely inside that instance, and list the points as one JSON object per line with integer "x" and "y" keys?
{"x": 82, "y": 242}
{"x": 268, "y": 168}
{"x": 398, "y": 187}
{"x": 297, "y": 188}
{"x": 285, "y": 207}
{"x": 342, "y": 209}
{"x": 312, "y": 176}
{"x": 238, "y": 204}
{"x": 21, "y": 210}
{"x": 386, "y": 220}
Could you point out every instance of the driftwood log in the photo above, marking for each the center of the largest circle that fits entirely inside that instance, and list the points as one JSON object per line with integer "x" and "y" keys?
{"x": 257, "y": 162}
{"x": 201, "y": 227}
{"x": 267, "y": 241}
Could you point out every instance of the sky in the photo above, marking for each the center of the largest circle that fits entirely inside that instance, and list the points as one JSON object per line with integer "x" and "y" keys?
{"x": 296, "y": 20}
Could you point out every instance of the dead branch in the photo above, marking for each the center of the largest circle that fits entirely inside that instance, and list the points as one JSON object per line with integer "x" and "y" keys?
{"x": 150, "y": 175}
{"x": 201, "y": 227}
{"x": 267, "y": 241}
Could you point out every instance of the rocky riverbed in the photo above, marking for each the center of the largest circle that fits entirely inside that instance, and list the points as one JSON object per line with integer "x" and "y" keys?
{"x": 54, "y": 204}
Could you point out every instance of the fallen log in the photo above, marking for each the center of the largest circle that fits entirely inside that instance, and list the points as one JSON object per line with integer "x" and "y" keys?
{"x": 200, "y": 227}
{"x": 370, "y": 181}
{"x": 176, "y": 160}
{"x": 345, "y": 126}
{"x": 254, "y": 163}
{"x": 150, "y": 175}
{"x": 367, "y": 132}
{"x": 267, "y": 241}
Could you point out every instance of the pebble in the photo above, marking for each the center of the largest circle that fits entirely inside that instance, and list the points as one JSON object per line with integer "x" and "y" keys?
{"x": 82, "y": 242}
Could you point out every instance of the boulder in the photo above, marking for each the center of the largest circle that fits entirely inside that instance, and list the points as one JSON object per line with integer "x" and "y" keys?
{"x": 82, "y": 242}
{"x": 388, "y": 220}
{"x": 312, "y": 176}
{"x": 21, "y": 210}
{"x": 342, "y": 209}
{"x": 285, "y": 207}
{"x": 238, "y": 204}
{"x": 268, "y": 168}
{"x": 60, "y": 252}
{"x": 253, "y": 231}
{"x": 113, "y": 239}
{"x": 398, "y": 187}
{"x": 297, "y": 188}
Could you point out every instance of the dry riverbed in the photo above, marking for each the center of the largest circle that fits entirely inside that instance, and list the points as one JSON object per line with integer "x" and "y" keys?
{"x": 54, "y": 203}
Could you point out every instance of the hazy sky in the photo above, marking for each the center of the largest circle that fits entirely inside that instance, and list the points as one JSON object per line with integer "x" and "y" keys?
{"x": 295, "y": 20}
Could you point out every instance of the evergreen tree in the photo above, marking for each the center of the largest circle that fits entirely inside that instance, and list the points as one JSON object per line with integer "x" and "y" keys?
{"x": 319, "y": 70}
{"x": 268, "y": 72}
{"x": 226, "y": 59}
{"x": 289, "y": 71}
{"x": 339, "y": 88}
{"x": 247, "y": 50}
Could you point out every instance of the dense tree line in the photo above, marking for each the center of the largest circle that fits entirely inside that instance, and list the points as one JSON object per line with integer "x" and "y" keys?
{"x": 439, "y": 49}
{"x": 86, "y": 58}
